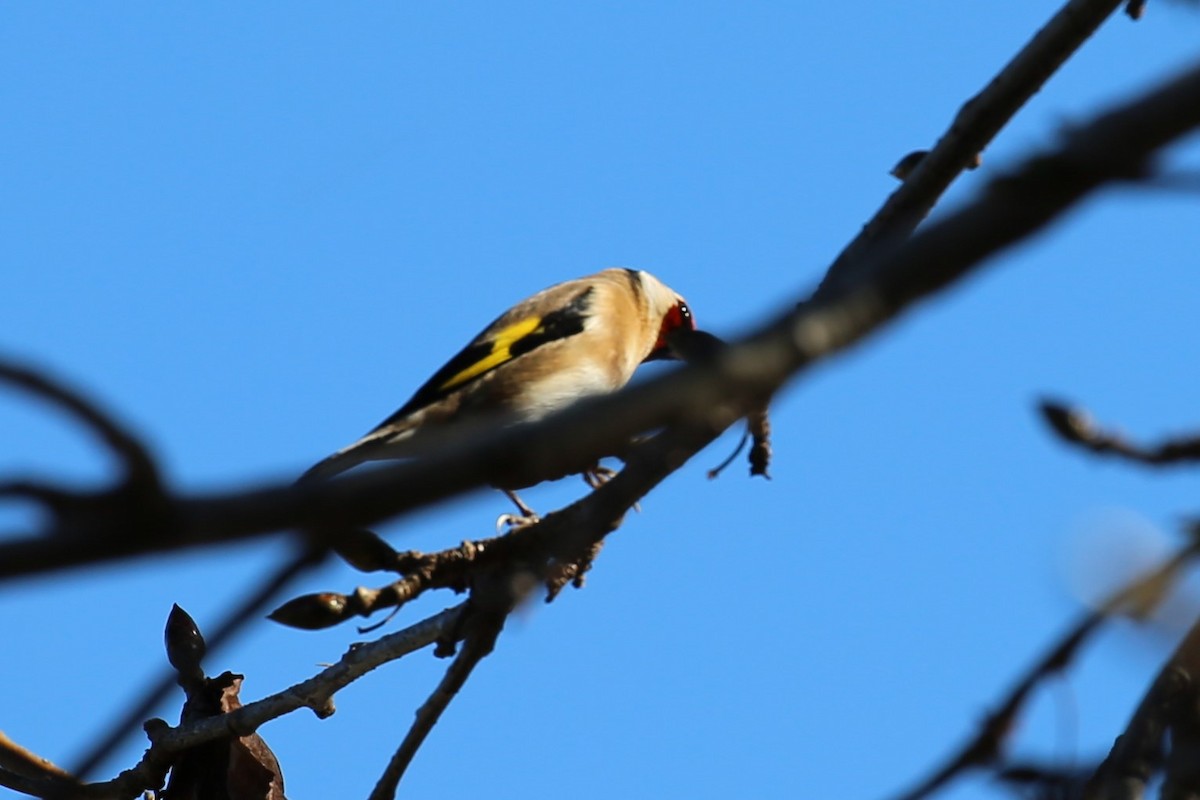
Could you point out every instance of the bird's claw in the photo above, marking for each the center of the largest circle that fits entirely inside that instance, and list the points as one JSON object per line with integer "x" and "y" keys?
{"x": 598, "y": 475}
{"x": 507, "y": 523}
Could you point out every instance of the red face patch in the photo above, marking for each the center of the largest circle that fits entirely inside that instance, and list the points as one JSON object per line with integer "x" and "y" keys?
{"x": 679, "y": 316}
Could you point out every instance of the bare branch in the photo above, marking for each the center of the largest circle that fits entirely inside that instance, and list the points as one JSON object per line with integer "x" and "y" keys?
{"x": 27, "y": 772}
{"x": 1138, "y": 599}
{"x": 132, "y": 454}
{"x": 484, "y": 619}
{"x": 33, "y": 787}
{"x": 927, "y": 175}
{"x": 702, "y": 347}
{"x": 1181, "y": 770}
{"x": 1170, "y": 703}
{"x": 1140, "y": 750}
{"x": 699, "y": 401}
{"x": 315, "y": 693}
{"x": 138, "y": 498}
{"x": 871, "y": 283}
{"x": 474, "y": 650}
{"x": 1076, "y": 426}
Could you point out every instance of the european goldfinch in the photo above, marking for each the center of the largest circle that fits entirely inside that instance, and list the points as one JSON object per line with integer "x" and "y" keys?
{"x": 574, "y": 339}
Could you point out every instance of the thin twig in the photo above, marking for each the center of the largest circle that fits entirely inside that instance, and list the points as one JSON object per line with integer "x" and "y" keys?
{"x": 446, "y": 569}
{"x": 18, "y": 759}
{"x": 716, "y": 471}
{"x": 33, "y": 787}
{"x": 973, "y": 128}
{"x": 1138, "y": 598}
{"x": 1075, "y": 426}
{"x": 702, "y": 347}
{"x": 1114, "y": 147}
{"x": 25, "y": 771}
{"x": 137, "y": 502}
{"x": 316, "y": 693}
{"x": 1140, "y": 749}
{"x": 838, "y": 317}
{"x": 480, "y": 640}
{"x": 138, "y": 466}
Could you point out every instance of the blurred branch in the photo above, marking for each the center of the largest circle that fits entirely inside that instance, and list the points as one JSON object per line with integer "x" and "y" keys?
{"x": 927, "y": 175}
{"x": 1043, "y": 781}
{"x": 1139, "y": 598}
{"x": 696, "y": 403}
{"x": 1139, "y": 751}
{"x": 133, "y": 456}
{"x": 1074, "y": 425}
{"x": 33, "y": 787}
{"x": 138, "y": 496}
{"x": 702, "y": 347}
{"x": 873, "y": 281}
{"x": 27, "y": 772}
{"x": 560, "y": 537}
{"x": 1170, "y": 710}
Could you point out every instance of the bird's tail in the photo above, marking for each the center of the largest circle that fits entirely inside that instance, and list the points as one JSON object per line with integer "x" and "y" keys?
{"x": 332, "y": 465}
{"x": 381, "y": 443}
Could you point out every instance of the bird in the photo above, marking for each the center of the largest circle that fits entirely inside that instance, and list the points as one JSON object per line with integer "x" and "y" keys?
{"x": 575, "y": 339}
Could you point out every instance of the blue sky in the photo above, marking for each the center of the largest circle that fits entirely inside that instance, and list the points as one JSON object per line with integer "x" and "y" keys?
{"x": 252, "y": 231}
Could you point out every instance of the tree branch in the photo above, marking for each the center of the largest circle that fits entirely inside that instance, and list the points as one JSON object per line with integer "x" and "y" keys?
{"x": 701, "y": 398}
{"x": 483, "y": 620}
{"x": 130, "y": 452}
{"x": 973, "y": 128}
{"x": 24, "y": 771}
{"x": 242, "y": 613}
{"x": 138, "y": 497}
{"x": 1076, "y": 426}
{"x": 1139, "y": 598}
{"x": 1140, "y": 750}
{"x": 315, "y": 693}
{"x": 876, "y": 279}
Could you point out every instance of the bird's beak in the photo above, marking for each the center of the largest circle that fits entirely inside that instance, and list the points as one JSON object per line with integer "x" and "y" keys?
{"x": 686, "y": 344}
{"x": 661, "y": 353}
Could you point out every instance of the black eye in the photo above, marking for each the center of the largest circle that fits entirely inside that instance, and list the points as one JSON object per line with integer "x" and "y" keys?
{"x": 685, "y": 315}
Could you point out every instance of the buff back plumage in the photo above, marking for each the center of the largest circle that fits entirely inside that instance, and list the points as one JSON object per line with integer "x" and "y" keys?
{"x": 574, "y": 339}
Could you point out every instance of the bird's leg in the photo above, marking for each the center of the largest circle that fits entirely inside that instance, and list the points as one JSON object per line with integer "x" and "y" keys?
{"x": 525, "y": 518}
{"x": 525, "y": 510}
{"x": 598, "y": 475}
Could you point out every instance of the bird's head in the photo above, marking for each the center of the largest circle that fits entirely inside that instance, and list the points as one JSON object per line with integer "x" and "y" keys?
{"x": 671, "y": 313}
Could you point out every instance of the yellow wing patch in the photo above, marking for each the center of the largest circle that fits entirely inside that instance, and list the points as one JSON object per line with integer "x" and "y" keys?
{"x": 501, "y": 351}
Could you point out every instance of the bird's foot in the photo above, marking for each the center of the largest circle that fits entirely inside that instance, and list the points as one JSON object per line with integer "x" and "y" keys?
{"x": 524, "y": 517}
{"x": 507, "y": 523}
{"x": 599, "y": 475}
